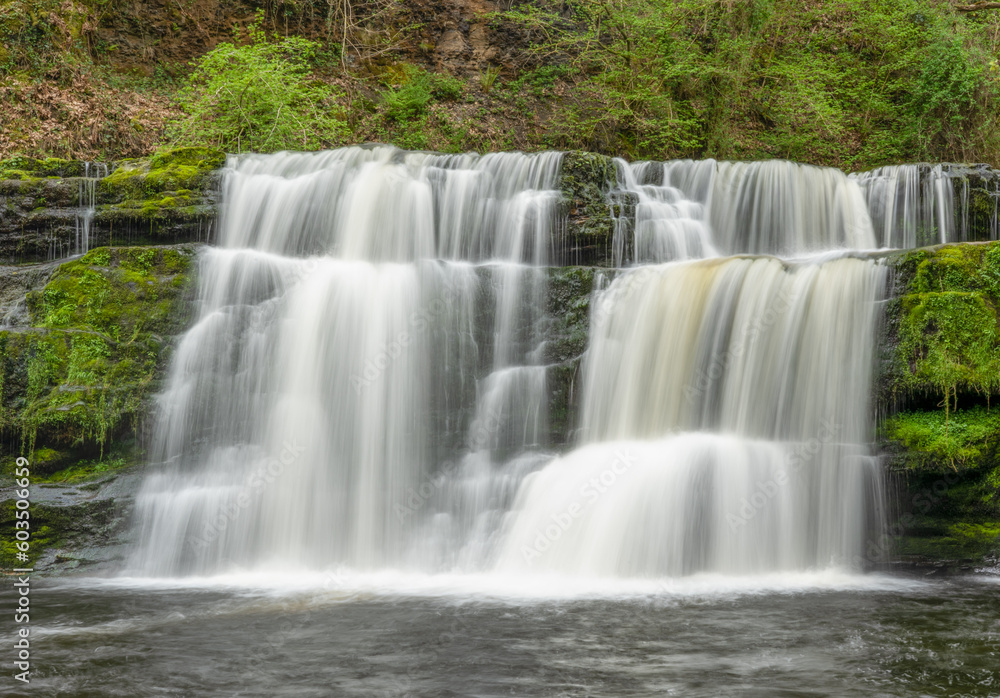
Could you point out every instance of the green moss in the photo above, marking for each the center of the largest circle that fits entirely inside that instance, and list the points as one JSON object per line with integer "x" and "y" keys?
{"x": 26, "y": 168}
{"x": 569, "y": 307}
{"x": 569, "y": 295}
{"x": 175, "y": 170}
{"x": 943, "y": 364}
{"x": 52, "y": 526}
{"x": 86, "y": 470}
{"x": 585, "y": 180}
{"x": 85, "y": 370}
{"x": 947, "y": 331}
{"x": 934, "y": 441}
{"x": 42, "y": 535}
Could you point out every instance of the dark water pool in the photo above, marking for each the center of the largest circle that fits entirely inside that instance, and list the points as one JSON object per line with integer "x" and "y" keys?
{"x": 893, "y": 638}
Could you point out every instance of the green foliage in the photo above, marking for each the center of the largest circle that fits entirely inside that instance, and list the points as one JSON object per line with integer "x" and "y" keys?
{"x": 488, "y": 78}
{"x": 406, "y": 119}
{"x": 409, "y": 101}
{"x": 258, "y": 97}
{"x": 947, "y": 540}
{"x": 84, "y": 372}
{"x": 839, "y": 82}
{"x": 948, "y": 327}
{"x": 933, "y": 442}
{"x": 943, "y": 93}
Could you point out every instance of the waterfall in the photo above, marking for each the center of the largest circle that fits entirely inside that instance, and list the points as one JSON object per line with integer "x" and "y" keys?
{"x": 87, "y": 203}
{"x": 694, "y": 209}
{"x": 365, "y": 384}
{"x": 725, "y": 417}
{"x": 370, "y": 315}
{"x": 668, "y": 223}
{"x": 911, "y": 205}
{"x": 919, "y": 204}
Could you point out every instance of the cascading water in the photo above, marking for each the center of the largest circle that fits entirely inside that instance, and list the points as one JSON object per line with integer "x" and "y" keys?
{"x": 337, "y": 356}
{"x": 910, "y": 205}
{"x": 364, "y": 385}
{"x": 668, "y": 224}
{"x": 725, "y": 415}
{"x": 920, "y": 204}
{"x": 93, "y": 172}
{"x": 693, "y": 209}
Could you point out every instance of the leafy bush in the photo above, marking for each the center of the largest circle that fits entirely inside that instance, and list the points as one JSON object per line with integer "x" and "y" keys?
{"x": 942, "y": 95}
{"x": 258, "y": 97}
{"x": 410, "y": 100}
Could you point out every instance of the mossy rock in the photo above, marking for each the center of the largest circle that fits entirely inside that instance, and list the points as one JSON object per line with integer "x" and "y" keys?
{"x": 949, "y": 464}
{"x": 586, "y": 179}
{"x": 167, "y": 198}
{"x": 569, "y": 294}
{"x": 979, "y": 187}
{"x": 941, "y": 363}
{"x": 84, "y": 371}
{"x": 30, "y": 168}
{"x": 176, "y": 170}
{"x": 56, "y": 526}
{"x": 936, "y": 540}
{"x": 943, "y": 327}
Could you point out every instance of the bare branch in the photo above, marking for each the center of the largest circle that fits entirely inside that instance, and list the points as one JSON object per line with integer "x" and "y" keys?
{"x": 976, "y": 7}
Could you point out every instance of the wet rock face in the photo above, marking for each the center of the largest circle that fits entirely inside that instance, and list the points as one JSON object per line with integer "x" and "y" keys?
{"x": 49, "y": 209}
{"x": 83, "y": 347}
{"x": 586, "y": 180}
{"x": 977, "y": 193}
{"x": 83, "y": 352}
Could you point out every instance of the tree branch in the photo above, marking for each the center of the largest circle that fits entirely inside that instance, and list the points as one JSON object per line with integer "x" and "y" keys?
{"x": 976, "y": 7}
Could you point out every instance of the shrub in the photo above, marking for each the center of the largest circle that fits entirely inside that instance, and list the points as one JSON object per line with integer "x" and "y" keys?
{"x": 410, "y": 100}
{"x": 258, "y": 97}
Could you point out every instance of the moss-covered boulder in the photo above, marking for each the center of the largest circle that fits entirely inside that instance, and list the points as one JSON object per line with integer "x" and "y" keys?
{"x": 82, "y": 370}
{"x": 46, "y": 206}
